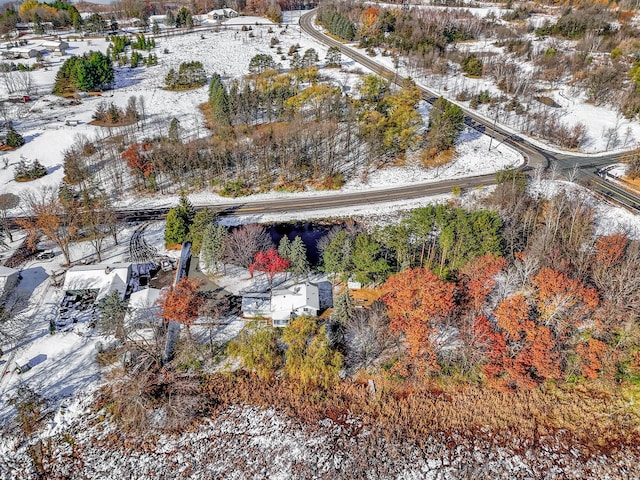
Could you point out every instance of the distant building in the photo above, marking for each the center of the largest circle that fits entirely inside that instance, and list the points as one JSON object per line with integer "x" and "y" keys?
{"x": 221, "y": 14}
{"x": 284, "y": 304}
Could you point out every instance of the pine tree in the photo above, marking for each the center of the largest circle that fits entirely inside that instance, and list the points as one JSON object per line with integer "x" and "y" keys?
{"x": 14, "y": 139}
{"x": 343, "y": 308}
{"x": 176, "y": 229}
{"x": 201, "y": 222}
{"x": 219, "y": 101}
{"x": 213, "y": 245}
{"x": 186, "y": 209}
{"x": 284, "y": 247}
{"x": 298, "y": 258}
{"x": 174, "y": 130}
{"x": 334, "y": 57}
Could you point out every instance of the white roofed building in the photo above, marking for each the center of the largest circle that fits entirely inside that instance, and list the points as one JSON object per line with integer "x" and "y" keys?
{"x": 105, "y": 278}
{"x": 283, "y": 304}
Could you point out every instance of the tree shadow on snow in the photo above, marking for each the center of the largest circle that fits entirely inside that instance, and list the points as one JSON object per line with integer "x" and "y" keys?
{"x": 127, "y": 77}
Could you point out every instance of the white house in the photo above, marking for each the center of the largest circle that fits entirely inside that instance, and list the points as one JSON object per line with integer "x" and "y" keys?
{"x": 159, "y": 19}
{"x": 283, "y": 304}
{"x": 9, "y": 278}
{"x": 57, "y": 47}
{"x": 105, "y": 278}
{"x": 221, "y": 14}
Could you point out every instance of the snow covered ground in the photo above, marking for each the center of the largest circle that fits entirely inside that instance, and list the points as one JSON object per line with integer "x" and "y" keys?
{"x": 64, "y": 364}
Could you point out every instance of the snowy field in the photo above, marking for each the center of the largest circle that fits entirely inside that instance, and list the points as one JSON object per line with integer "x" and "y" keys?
{"x": 228, "y": 52}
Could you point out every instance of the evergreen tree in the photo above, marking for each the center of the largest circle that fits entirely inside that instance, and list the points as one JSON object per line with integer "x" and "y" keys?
{"x": 219, "y": 101}
{"x": 337, "y": 254}
{"x": 201, "y": 222}
{"x": 298, "y": 258}
{"x": 112, "y": 312}
{"x": 183, "y": 18}
{"x": 344, "y": 308}
{"x": 310, "y": 58}
{"x": 14, "y": 139}
{"x": 170, "y": 19}
{"x": 176, "y": 229}
{"x": 174, "y": 130}
{"x": 261, "y": 62}
{"x": 334, "y": 57}
{"x": 296, "y": 61}
{"x": 284, "y": 247}
{"x": 179, "y": 220}
{"x": 446, "y": 121}
{"x": 186, "y": 209}
{"x": 214, "y": 241}
{"x": 368, "y": 265}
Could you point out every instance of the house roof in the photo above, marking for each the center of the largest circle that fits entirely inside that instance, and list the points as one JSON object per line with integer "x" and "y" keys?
{"x": 143, "y": 306}
{"x": 283, "y": 301}
{"x": 106, "y": 278}
{"x": 7, "y": 271}
{"x": 7, "y": 276}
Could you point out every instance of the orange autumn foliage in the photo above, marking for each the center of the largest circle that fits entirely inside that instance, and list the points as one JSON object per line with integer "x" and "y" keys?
{"x": 591, "y": 353}
{"x": 182, "y": 303}
{"x": 560, "y": 296}
{"x": 479, "y": 278}
{"x": 416, "y": 299}
{"x": 610, "y": 249}
{"x": 519, "y": 353}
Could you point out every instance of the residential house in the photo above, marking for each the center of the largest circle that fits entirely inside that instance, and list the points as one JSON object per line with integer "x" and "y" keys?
{"x": 221, "y": 14}
{"x": 102, "y": 279}
{"x": 283, "y": 304}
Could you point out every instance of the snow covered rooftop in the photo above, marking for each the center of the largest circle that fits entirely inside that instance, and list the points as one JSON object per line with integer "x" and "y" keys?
{"x": 299, "y": 299}
{"x": 106, "y": 278}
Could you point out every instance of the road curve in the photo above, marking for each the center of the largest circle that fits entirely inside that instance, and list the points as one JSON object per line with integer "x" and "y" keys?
{"x": 535, "y": 156}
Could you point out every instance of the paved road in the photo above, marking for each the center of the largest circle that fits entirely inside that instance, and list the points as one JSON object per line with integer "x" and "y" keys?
{"x": 576, "y": 167}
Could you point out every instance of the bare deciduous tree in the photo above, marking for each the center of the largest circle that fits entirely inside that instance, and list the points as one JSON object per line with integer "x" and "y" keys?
{"x": 245, "y": 242}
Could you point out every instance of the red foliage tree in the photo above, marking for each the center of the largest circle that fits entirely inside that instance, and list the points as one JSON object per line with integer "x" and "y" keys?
{"x": 528, "y": 355}
{"x": 270, "y": 263}
{"x": 610, "y": 249}
{"x": 478, "y": 278}
{"x": 591, "y": 353}
{"x": 136, "y": 159}
{"x": 182, "y": 303}
{"x": 416, "y": 299}
{"x": 561, "y": 300}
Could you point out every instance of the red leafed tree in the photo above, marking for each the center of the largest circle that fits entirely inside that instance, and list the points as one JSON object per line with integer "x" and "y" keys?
{"x": 479, "y": 278}
{"x": 610, "y": 249}
{"x": 561, "y": 300}
{"x": 137, "y": 161}
{"x": 270, "y": 263}
{"x": 415, "y": 300}
{"x": 494, "y": 347}
{"x": 182, "y": 303}
{"x": 591, "y": 353}
{"x": 529, "y": 355}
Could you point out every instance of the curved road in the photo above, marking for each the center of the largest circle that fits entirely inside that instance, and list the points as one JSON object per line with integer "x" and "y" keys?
{"x": 580, "y": 168}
